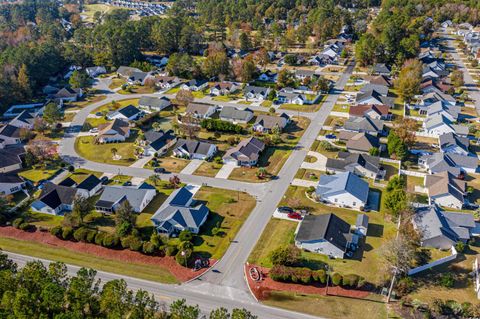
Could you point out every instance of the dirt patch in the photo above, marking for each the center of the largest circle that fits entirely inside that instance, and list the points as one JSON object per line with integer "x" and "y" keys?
{"x": 262, "y": 288}
{"x": 126, "y": 256}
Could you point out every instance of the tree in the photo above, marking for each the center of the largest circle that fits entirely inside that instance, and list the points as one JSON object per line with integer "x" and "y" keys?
{"x": 82, "y": 206}
{"x": 396, "y": 147}
{"x": 124, "y": 214}
{"x": 114, "y": 152}
{"x": 322, "y": 85}
{"x": 78, "y": 79}
{"x": 405, "y": 129}
{"x": 367, "y": 50}
{"x": 244, "y": 70}
{"x": 174, "y": 181}
{"x": 52, "y": 113}
{"x": 220, "y": 313}
{"x": 398, "y": 255}
{"x": 190, "y": 125}
{"x": 216, "y": 64}
{"x": 285, "y": 79}
{"x": 245, "y": 43}
{"x": 155, "y": 178}
{"x": 374, "y": 151}
{"x": 42, "y": 150}
{"x": 291, "y": 59}
{"x": 409, "y": 79}
{"x": 180, "y": 310}
{"x": 242, "y": 314}
{"x": 261, "y": 57}
{"x": 457, "y": 78}
{"x": 184, "y": 97}
{"x": 396, "y": 197}
{"x": 24, "y": 83}
{"x": 285, "y": 256}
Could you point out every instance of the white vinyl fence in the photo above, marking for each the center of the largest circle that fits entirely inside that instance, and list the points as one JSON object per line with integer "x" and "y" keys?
{"x": 437, "y": 262}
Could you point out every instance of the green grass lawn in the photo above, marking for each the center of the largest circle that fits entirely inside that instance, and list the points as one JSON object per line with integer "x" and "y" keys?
{"x": 209, "y": 169}
{"x": 301, "y": 108}
{"x": 341, "y": 108}
{"x": 266, "y": 103}
{"x": 81, "y": 174}
{"x": 44, "y": 220}
{"x": 173, "y": 90}
{"x": 147, "y": 272}
{"x": 115, "y": 105}
{"x": 116, "y": 83}
{"x": 37, "y": 174}
{"x": 86, "y": 148}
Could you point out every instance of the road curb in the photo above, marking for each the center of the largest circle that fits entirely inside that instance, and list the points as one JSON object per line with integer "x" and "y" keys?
{"x": 200, "y": 275}
{"x": 246, "y": 280}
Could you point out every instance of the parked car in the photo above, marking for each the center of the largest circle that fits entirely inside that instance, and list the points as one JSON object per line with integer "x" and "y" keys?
{"x": 285, "y": 210}
{"x": 330, "y": 136}
{"x": 94, "y": 130}
{"x": 127, "y": 183}
{"x": 159, "y": 170}
{"x": 295, "y": 215}
{"x": 104, "y": 180}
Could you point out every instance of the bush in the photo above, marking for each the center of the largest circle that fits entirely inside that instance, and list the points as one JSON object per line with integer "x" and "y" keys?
{"x": 67, "y": 232}
{"x": 351, "y": 280}
{"x": 319, "y": 276}
{"x": 171, "y": 250}
{"x": 336, "y": 279}
{"x": 17, "y": 222}
{"x": 124, "y": 229}
{"x": 405, "y": 286}
{"x": 149, "y": 248}
{"x": 81, "y": 234}
{"x": 221, "y": 126}
{"x": 156, "y": 240}
{"x": 285, "y": 256}
{"x": 132, "y": 242}
{"x": 185, "y": 235}
{"x": 183, "y": 257}
{"x": 460, "y": 247}
{"x": 56, "y": 231}
{"x": 447, "y": 280}
{"x": 90, "y": 238}
{"x": 26, "y": 226}
{"x": 99, "y": 238}
{"x": 185, "y": 245}
{"x": 110, "y": 241}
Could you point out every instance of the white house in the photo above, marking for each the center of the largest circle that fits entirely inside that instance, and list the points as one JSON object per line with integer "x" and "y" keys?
{"x": 137, "y": 196}
{"x": 194, "y": 149}
{"x": 343, "y": 190}
{"x": 127, "y": 113}
{"x": 452, "y": 143}
{"x": 445, "y": 190}
{"x": 154, "y": 104}
{"x": 256, "y": 92}
{"x": 95, "y": 71}
{"x": 195, "y": 85}
{"x": 55, "y": 199}
{"x": 201, "y": 110}
{"x": 115, "y": 131}
{"x": 438, "y": 125}
{"x": 11, "y": 159}
{"x": 10, "y": 184}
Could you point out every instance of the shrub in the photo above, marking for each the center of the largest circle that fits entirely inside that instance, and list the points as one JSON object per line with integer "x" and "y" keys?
{"x": 149, "y": 248}
{"x": 405, "y": 286}
{"x": 17, "y": 222}
{"x": 90, "y": 238}
{"x": 156, "y": 240}
{"x": 460, "y": 247}
{"x": 26, "y": 226}
{"x": 185, "y": 235}
{"x": 447, "y": 280}
{"x": 171, "y": 250}
{"x": 185, "y": 245}
{"x": 319, "y": 276}
{"x": 110, "y": 241}
{"x": 351, "y": 280}
{"x": 81, "y": 234}
{"x": 99, "y": 238}
{"x": 285, "y": 256}
{"x": 56, "y": 231}
{"x": 124, "y": 229}
{"x": 183, "y": 257}
{"x": 304, "y": 275}
{"x": 67, "y": 232}
{"x": 336, "y": 278}
{"x": 135, "y": 243}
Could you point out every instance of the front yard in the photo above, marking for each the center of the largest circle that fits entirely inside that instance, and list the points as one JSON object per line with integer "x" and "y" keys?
{"x": 37, "y": 174}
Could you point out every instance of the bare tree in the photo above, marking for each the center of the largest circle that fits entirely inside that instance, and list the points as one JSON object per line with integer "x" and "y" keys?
{"x": 189, "y": 125}
{"x": 184, "y": 97}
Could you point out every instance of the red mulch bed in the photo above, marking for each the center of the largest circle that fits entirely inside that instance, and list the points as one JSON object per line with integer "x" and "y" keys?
{"x": 261, "y": 289}
{"x": 167, "y": 262}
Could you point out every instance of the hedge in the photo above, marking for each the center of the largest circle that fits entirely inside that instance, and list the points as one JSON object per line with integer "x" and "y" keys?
{"x": 352, "y": 280}
{"x": 17, "y": 222}
{"x": 171, "y": 250}
{"x": 81, "y": 234}
{"x": 99, "y": 238}
{"x": 90, "y": 238}
{"x": 306, "y": 275}
{"x": 110, "y": 241}
{"x": 337, "y": 279}
{"x": 149, "y": 248}
{"x": 67, "y": 232}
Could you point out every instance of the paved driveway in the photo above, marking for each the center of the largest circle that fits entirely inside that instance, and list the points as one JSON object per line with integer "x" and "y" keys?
{"x": 225, "y": 171}
{"x": 318, "y": 165}
{"x": 142, "y": 162}
{"x": 192, "y": 166}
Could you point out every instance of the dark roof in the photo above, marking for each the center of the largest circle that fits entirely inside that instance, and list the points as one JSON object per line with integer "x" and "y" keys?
{"x": 67, "y": 182}
{"x": 196, "y": 82}
{"x": 181, "y": 198}
{"x": 249, "y": 148}
{"x": 10, "y": 131}
{"x": 129, "y": 111}
{"x": 371, "y": 163}
{"x": 327, "y": 227}
{"x": 159, "y": 139}
{"x": 89, "y": 183}
{"x": 55, "y": 195}
{"x": 11, "y": 156}
{"x": 193, "y": 147}
{"x": 155, "y": 102}
{"x": 10, "y": 178}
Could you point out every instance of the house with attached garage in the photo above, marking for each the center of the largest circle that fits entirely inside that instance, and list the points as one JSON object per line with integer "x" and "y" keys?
{"x": 167, "y": 82}
{"x": 343, "y": 190}
{"x": 158, "y": 142}
{"x": 137, "y": 196}
{"x": 454, "y": 144}
{"x": 440, "y": 229}
{"x": 268, "y": 76}
{"x": 201, "y": 110}
{"x": 359, "y": 164}
{"x": 154, "y": 104}
{"x": 381, "y": 69}
{"x": 304, "y": 74}
{"x": 113, "y": 132}
{"x": 360, "y": 142}
{"x": 11, "y": 183}
{"x": 26, "y": 120}
{"x": 376, "y": 112}
{"x": 267, "y": 123}
{"x": 127, "y": 113}
{"x": 68, "y": 95}
{"x": 451, "y": 112}
{"x": 223, "y": 88}
{"x": 126, "y": 71}
{"x": 234, "y": 115}
{"x": 192, "y": 149}
{"x": 325, "y": 234}
{"x": 95, "y": 71}
{"x": 374, "y": 97}
{"x": 292, "y": 98}
{"x": 55, "y": 199}
{"x": 446, "y": 190}
{"x": 139, "y": 78}
{"x": 246, "y": 153}
{"x": 454, "y": 163}
{"x": 365, "y": 125}
{"x": 256, "y": 92}
{"x": 10, "y": 135}
{"x": 11, "y": 159}
{"x": 180, "y": 212}
{"x": 438, "y": 125}
{"x": 195, "y": 85}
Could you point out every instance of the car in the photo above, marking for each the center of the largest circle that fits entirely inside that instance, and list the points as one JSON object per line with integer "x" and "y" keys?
{"x": 159, "y": 170}
{"x": 104, "y": 180}
{"x": 294, "y": 215}
{"x": 330, "y": 136}
{"x": 94, "y": 130}
{"x": 285, "y": 210}
{"x": 127, "y": 183}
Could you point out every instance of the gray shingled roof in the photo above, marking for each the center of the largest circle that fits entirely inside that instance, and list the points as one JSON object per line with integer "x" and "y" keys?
{"x": 451, "y": 139}
{"x": 235, "y": 114}
{"x": 330, "y": 185}
{"x": 113, "y": 194}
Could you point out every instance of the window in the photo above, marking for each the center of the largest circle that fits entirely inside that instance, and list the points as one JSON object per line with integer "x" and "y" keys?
{"x": 354, "y": 203}
{"x": 336, "y": 200}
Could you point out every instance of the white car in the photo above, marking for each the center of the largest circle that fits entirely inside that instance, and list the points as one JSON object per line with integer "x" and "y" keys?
{"x": 94, "y": 130}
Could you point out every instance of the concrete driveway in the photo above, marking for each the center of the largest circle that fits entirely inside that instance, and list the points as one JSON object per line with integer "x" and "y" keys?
{"x": 192, "y": 166}
{"x": 318, "y": 165}
{"x": 225, "y": 171}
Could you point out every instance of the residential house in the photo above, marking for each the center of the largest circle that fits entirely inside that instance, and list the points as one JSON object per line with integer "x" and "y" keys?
{"x": 11, "y": 183}
{"x": 195, "y": 85}
{"x": 127, "y": 113}
{"x": 374, "y": 97}
{"x": 325, "y": 234}
{"x": 26, "y": 120}
{"x": 68, "y": 95}
{"x": 343, "y": 190}
{"x": 440, "y": 229}
{"x": 95, "y": 71}
{"x": 234, "y": 115}
{"x": 382, "y": 80}
{"x": 268, "y": 76}
{"x": 139, "y": 78}
{"x": 192, "y": 149}
{"x": 201, "y": 110}
{"x": 435, "y": 96}
{"x": 292, "y": 98}
{"x": 113, "y": 132}
{"x": 438, "y": 124}
{"x": 223, "y": 88}
{"x": 256, "y": 92}
{"x": 446, "y": 190}
{"x": 246, "y": 153}
{"x": 360, "y": 142}
{"x": 433, "y": 71}
{"x": 365, "y": 124}
{"x": 376, "y": 112}
{"x": 180, "y": 212}
{"x": 126, "y": 71}
{"x": 11, "y": 159}
{"x": 89, "y": 186}
{"x": 381, "y": 69}
{"x": 167, "y": 82}
{"x": 158, "y": 142}
{"x": 267, "y": 123}
{"x": 451, "y": 112}
{"x": 304, "y": 74}
{"x": 154, "y": 104}
{"x": 359, "y": 164}
{"x": 454, "y": 144}
{"x": 380, "y": 89}
{"x": 10, "y": 135}
{"x": 454, "y": 163}
{"x": 137, "y": 196}
{"x": 430, "y": 85}
{"x": 55, "y": 199}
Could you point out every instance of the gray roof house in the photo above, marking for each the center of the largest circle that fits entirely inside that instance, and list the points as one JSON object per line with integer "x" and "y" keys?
{"x": 266, "y": 123}
{"x": 158, "y": 141}
{"x": 195, "y": 85}
{"x": 194, "y": 149}
{"x": 113, "y": 196}
{"x": 234, "y": 115}
{"x": 256, "y": 92}
{"x": 445, "y": 190}
{"x": 359, "y": 142}
{"x": 154, "y": 104}
{"x": 439, "y": 124}
{"x": 454, "y": 163}
{"x": 11, "y": 159}
{"x": 343, "y": 190}
{"x": 381, "y": 69}
{"x": 440, "y": 229}
{"x": 55, "y": 199}
{"x": 452, "y": 143}
{"x": 201, "y": 110}
{"x": 451, "y": 112}
{"x": 374, "y": 97}
{"x": 379, "y": 88}
{"x": 127, "y": 71}
{"x": 359, "y": 164}
{"x": 180, "y": 212}
{"x": 128, "y": 113}
{"x": 246, "y": 153}
{"x": 325, "y": 234}
{"x": 365, "y": 124}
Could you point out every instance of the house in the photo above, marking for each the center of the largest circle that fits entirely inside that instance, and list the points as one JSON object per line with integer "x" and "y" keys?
{"x": 446, "y": 190}
{"x": 359, "y": 164}
{"x": 322, "y": 59}
{"x": 376, "y": 112}
{"x": 234, "y": 115}
{"x": 246, "y": 153}
{"x": 167, "y": 82}
{"x": 446, "y": 24}
{"x": 223, "y": 88}
{"x": 55, "y": 199}
{"x": 95, "y": 71}
{"x": 361, "y": 225}
{"x": 127, "y": 113}
{"x": 268, "y": 76}
{"x": 372, "y": 96}
{"x": 454, "y": 144}
{"x": 11, "y": 159}
{"x": 365, "y": 124}
{"x": 154, "y": 104}
{"x": 430, "y": 85}
{"x": 113, "y": 132}
{"x": 158, "y": 142}
{"x": 381, "y": 80}
{"x": 137, "y": 196}
{"x": 325, "y": 234}
{"x": 201, "y": 110}
{"x": 10, "y": 135}
{"x": 139, "y": 78}
{"x": 89, "y": 186}
{"x": 440, "y": 229}
{"x": 381, "y": 69}
{"x": 343, "y": 190}
{"x": 454, "y": 163}
{"x": 195, "y": 85}
{"x": 431, "y": 71}
{"x": 304, "y": 74}
{"x": 256, "y": 92}
{"x": 126, "y": 71}
{"x": 292, "y": 98}
{"x": 451, "y": 112}
{"x": 10, "y": 183}
{"x": 26, "y": 120}
{"x": 180, "y": 212}
{"x": 68, "y": 95}
{"x": 360, "y": 142}
{"x": 192, "y": 149}
{"x": 438, "y": 125}
{"x": 266, "y": 123}
{"x": 435, "y": 96}
{"x": 380, "y": 89}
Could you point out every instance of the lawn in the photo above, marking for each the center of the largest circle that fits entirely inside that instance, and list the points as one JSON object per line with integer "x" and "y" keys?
{"x": 209, "y": 169}
{"x": 413, "y": 181}
{"x": 328, "y": 306}
{"x": 84, "y": 102}
{"x": 137, "y": 89}
{"x": 116, "y": 83}
{"x": 169, "y": 163}
{"x": 173, "y": 90}
{"x": 37, "y": 174}
{"x": 115, "y": 105}
{"x": 119, "y": 180}
{"x": 44, "y": 220}
{"x": 366, "y": 262}
{"x": 301, "y": 108}
{"x": 341, "y": 108}
{"x": 266, "y": 103}
{"x": 81, "y": 174}
{"x": 35, "y": 249}
{"x": 85, "y": 146}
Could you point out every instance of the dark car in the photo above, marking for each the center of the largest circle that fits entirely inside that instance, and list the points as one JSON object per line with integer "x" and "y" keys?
{"x": 285, "y": 210}
{"x": 159, "y": 170}
{"x": 127, "y": 183}
{"x": 104, "y": 180}
{"x": 330, "y": 136}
